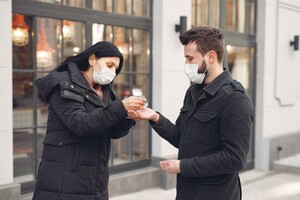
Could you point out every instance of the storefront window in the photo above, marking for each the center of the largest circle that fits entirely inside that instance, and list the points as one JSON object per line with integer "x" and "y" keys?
{"x": 205, "y": 12}
{"x": 129, "y": 7}
{"x": 240, "y": 16}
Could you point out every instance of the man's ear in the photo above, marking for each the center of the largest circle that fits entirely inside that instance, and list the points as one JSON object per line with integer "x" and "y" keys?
{"x": 212, "y": 57}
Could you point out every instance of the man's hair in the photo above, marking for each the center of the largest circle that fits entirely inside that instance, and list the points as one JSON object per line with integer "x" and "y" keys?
{"x": 206, "y": 39}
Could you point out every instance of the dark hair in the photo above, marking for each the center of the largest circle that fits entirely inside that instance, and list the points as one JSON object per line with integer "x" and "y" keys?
{"x": 100, "y": 49}
{"x": 206, "y": 38}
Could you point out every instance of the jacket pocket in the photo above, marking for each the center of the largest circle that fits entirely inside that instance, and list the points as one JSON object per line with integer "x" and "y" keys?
{"x": 203, "y": 127}
{"x": 71, "y": 149}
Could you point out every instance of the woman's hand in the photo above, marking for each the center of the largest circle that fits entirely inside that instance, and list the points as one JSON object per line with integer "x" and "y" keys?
{"x": 133, "y": 103}
{"x": 143, "y": 114}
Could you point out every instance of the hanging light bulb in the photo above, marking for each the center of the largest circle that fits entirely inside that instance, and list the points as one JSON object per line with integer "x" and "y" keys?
{"x": 68, "y": 30}
{"x": 19, "y": 30}
{"x": 43, "y": 50}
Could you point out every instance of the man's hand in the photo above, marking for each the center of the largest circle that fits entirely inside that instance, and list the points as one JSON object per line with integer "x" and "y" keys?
{"x": 170, "y": 166}
{"x": 143, "y": 114}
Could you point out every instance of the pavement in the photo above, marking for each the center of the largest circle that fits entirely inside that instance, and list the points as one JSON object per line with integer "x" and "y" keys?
{"x": 256, "y": 185}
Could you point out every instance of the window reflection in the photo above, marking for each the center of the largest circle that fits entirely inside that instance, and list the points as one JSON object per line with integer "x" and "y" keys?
{"x": 240, "y": 63}
{"x": 123, "y": 40}
{"x": 240, "y": 16}
{"x": 47, "y": 55}
{"x": 103, "y": 5}
{"x": 23, "y": 151}
{"x": 122, "y": 7}
{"x": 74, "y": 3}
{"x": 141, "y": 51}
{"x": 205, "y": 12}
{"x": 22, "y": 54}
{"x": 41, "y": 107}
{"x": 20, "y": 33}
{"x": 141, "y": 8}
{"x": 128, "y": 7}
{"x": 22, "y": 100}
{"x": 73, "y": 34}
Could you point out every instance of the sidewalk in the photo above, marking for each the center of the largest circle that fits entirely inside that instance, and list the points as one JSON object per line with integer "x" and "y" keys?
{"x": 256, "y": 185}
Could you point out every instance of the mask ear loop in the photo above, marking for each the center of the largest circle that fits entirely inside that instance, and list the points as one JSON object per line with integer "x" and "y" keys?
{"x": 205, "y": 63}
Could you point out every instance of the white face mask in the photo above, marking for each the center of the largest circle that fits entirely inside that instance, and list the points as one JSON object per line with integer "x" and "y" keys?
{"x": 191, "y": 71}
{"x": 104, "y": 77}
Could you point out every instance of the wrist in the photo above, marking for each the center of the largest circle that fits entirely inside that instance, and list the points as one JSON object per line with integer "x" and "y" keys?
{"x": 155, "y": 117}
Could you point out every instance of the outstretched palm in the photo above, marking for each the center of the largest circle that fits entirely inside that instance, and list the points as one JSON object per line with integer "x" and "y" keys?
{"x": 141, "y": 114}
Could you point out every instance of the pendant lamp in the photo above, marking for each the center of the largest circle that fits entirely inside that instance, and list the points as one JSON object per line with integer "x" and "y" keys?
{"x": 68, "y": 31}
{"x": 19, "y": 31}
{"x": 43, "y": 50}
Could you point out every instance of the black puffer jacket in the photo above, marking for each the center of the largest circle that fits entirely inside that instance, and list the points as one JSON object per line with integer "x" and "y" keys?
{"x": 75, "y": 157}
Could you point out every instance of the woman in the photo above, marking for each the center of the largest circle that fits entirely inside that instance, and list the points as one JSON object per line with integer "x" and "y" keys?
{"x": 84, "y": 115}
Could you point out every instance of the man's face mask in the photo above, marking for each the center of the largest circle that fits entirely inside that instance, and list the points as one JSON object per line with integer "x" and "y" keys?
{"x": 104, "y": 77}
{"x": 191, "y": 71}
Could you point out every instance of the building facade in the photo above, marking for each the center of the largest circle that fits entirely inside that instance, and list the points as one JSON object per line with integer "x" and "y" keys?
{"x": 262, "y": 52}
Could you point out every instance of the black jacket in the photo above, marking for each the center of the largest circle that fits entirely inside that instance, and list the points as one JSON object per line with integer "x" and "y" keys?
{"x": 74, "y": 163}
{"x": 212, "y": 134}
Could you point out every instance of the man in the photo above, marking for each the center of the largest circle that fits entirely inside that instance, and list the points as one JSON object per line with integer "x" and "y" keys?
{"x": 214, "y": 126}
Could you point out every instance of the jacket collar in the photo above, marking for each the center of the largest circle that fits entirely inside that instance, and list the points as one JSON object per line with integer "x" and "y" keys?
{"x": 212, "y": 87}
{"x": 218, "y": 82}
{"x": 76, "y": 76}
